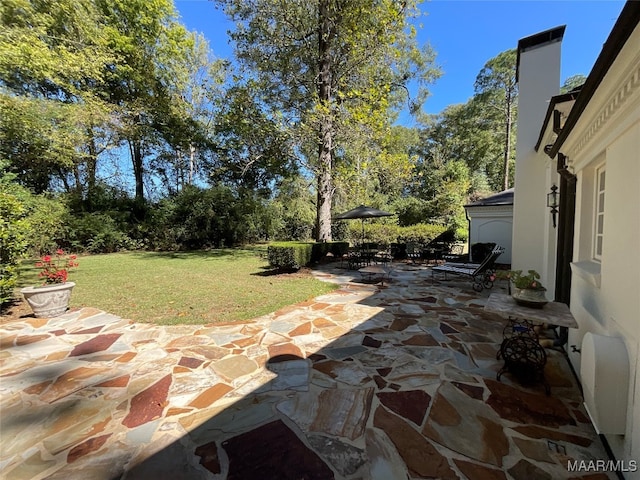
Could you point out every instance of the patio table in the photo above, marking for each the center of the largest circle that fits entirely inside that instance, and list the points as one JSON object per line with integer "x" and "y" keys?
{"x": 376, "y": 270}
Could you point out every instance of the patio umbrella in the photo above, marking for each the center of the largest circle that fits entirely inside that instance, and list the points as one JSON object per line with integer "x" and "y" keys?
{"x": 362, "y": 212}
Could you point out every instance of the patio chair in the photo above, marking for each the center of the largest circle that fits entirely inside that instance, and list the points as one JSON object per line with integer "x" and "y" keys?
{"x": 383, "y": 255}
{"x": 482, "y": 274}
{"x": 414, "y": 252}
{"x": 440, "y": 246}
{"x": 356, "y": 258}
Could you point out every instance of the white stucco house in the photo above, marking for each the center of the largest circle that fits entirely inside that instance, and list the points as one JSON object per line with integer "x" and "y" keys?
{"x": 491, "y": 221}
{"x": 587, "y": 143}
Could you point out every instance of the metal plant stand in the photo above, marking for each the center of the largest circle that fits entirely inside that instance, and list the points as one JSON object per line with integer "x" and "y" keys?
{"x": 521, "y": 351}
{"x": 523, "y": 356}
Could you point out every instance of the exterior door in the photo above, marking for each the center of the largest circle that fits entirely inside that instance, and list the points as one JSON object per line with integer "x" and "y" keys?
{"x": 566, "y": 224}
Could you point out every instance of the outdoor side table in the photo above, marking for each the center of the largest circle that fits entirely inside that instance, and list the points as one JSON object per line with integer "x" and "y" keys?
{"x": 553, "y": 313}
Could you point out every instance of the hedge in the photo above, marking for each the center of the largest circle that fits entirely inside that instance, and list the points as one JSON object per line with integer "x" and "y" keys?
{"x": 385, "y": 233}
{"x": 289, "y": 255}
{"x": 294, "y": 255}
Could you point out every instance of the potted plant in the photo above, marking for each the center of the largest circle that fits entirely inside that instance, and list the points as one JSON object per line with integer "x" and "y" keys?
{"x": 525, "y": 289}
{"x": 52, "y": 297}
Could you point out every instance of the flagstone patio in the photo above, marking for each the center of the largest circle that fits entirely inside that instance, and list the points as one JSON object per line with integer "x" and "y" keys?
{"x": 368, "y": 382}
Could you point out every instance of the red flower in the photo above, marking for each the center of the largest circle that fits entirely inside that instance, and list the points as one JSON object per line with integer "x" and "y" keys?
{"x": 56, "y": 271}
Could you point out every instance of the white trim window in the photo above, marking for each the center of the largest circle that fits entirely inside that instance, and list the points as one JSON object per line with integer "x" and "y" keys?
{"x": 598, "y": 231}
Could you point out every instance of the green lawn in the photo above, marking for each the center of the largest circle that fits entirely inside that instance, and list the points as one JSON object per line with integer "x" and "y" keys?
{"x": 185, "y": 287}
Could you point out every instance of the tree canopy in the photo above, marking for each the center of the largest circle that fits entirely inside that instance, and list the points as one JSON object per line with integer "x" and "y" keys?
{"x": 334, "y": 69}
{"x": 81, "y": 78}
{"x": 117, "y": 105}
{"x": 572, "y": 83}
{"x": 497, "y": 91}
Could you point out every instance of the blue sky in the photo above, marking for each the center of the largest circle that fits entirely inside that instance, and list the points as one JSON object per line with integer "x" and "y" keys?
{"x": 465, "y": 34}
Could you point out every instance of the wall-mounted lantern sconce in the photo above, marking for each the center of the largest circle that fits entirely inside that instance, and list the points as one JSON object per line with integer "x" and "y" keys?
{"x": 552, "y": 202}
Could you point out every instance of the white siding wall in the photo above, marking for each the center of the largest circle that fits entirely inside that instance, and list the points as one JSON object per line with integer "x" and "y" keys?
{"x": 605, "y": 295}
{"x": 492, "y": 224}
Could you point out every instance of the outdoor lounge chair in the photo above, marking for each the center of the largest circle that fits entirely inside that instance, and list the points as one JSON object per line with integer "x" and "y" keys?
{"x": 482, "y": 274}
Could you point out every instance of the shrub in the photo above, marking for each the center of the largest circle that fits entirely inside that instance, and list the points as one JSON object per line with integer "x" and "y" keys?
{"x": 412, "y": 210}
{"x": 462, "y": 234}
{"x": 198, "y": 218}
{"x": 386, "y": 234}
{"x": 14, "y": 231}
{"x": 375, "y": 231}
{"x": 294, "y": 255}
{"x": 294, "y": 208}
{"x": 420, "y": 233}
{"x": 340, "y": 231}
{"x": 48, "y": 218}
{"x": 97, "y": 233}
{"x": 256, "y": 220}
{"x": 289, "y": 255}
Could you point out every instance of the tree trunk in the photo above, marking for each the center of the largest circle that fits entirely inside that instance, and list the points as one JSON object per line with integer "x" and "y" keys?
{"x": 91, "y": 165}
{"x": 135, "y": 148}
{"x": 192, "y": 162}
{"x": 325, "y": 187}
{"x": 138, "y": 169}
{"x": 325, "y": 134}
{"x": 179, "y": 171}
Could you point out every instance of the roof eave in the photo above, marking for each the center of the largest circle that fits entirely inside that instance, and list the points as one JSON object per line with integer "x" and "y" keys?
{"x": 622, "y": 30}
{"x": 555, "y": 100}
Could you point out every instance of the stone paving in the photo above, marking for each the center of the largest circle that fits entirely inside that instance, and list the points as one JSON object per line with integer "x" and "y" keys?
{"x": 368, "y": 382}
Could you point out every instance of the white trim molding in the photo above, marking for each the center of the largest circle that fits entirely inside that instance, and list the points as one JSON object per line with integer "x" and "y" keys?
{"x": 627, "y": 88}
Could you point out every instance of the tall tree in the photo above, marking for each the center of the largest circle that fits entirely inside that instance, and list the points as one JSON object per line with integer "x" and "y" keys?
{"x": 52, "y": 58}
{"x": 151, "y": 47}
{"x": 327, "y": 66}
{"x": 81, "y": 77}
{"x": 187, "y": 121}
{"x": 54, "y": 50}
{"x": 442, "y": 177}
{"x": 497, "y": 89}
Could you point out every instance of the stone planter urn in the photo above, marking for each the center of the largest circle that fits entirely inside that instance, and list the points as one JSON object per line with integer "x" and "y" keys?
{"x": 48, "y": 300}
{"x": 528, "y": 297}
